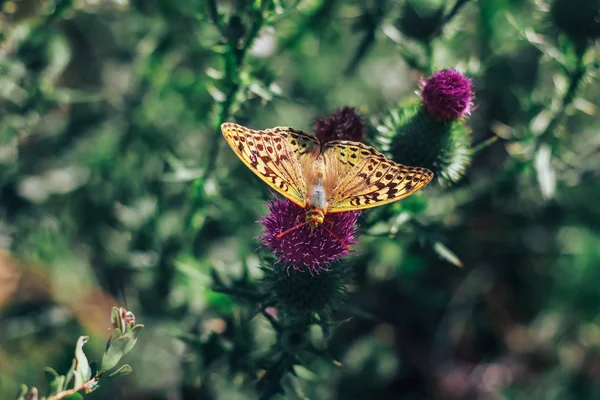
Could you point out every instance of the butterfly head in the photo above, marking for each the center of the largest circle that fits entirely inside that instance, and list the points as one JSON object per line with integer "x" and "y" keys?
{"x": 315, "y": 217}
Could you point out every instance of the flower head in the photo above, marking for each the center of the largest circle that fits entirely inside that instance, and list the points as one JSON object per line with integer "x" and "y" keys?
{"x": 343, "y": 124}
{"x": 447, "y": 95}
{"x": 409, "y": 135}
{"x": 301, "y": 248}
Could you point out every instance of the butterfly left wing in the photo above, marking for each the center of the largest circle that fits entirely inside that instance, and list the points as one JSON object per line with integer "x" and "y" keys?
{"x": 374, "y": 181}
{"x": 271, "y": 156}
{"x": 300, "y": 142}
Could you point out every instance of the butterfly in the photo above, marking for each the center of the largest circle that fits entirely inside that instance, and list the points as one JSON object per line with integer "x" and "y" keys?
{"x": 333, "y": 177}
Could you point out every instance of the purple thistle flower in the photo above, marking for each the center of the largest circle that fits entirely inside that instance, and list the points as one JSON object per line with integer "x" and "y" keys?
{"x": 343, "y": 124}
{"x": 300, "y": 248}
{"x": 447, "y": 95}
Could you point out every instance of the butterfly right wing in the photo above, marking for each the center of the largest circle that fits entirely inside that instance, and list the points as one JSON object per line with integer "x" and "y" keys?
{"x": 350, "y": 153}
{"x": 370, "y": 179}
{"x": 272, "y": 157}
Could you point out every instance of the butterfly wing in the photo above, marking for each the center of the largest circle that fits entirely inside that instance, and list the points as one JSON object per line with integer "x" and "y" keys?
{"x": 274, "y": 156}
{"x": 301, "y": 143}
{"x": 350, "y": 153}
{"x": 374, "y": 180}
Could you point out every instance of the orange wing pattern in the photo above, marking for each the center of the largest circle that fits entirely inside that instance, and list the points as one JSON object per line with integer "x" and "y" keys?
{"x": 273, "y": 155}
{"x": 300, "y": 142}
{"x": 371, "y": 179}
{"x": 349, "y": 153}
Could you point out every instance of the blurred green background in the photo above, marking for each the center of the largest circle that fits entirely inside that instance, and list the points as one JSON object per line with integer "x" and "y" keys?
{"x": 116, "y": 188}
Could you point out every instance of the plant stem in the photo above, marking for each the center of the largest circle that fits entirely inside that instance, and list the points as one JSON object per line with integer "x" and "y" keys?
{"x": 243, "y": 293}
{"x": 233, "y": 59}
{"x": 87, "y": 386}
{"x": 576, "y": 76}
{"x": 271, "y": 380}
{"x": 453, "y": 11}
{"x": 214, "y": 15}
{"x": 317, "y": 20}
{"x": 429, "y": 56}
{"x": 274, "y": 323}
{"x": 484, "y": 144}
{"x": 373, "y": 18}
{"x": 361, "y": 51}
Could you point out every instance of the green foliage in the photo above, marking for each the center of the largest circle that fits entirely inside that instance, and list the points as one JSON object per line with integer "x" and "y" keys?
{"x": 421, "y": 20}
{"x": 578, "y": 19}
{"x": 122, "y": 341}
{"x": 116, "y": 186}
{"x": 82, "y": 376}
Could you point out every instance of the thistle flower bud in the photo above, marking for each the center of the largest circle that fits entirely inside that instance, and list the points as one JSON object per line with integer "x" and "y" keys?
{"x": 579, "y": 19}
{"x": 410, "y": 136}
{"x": 447, "y": 95}
{"x": 302, "y": 247}
{"x": 297, "y": 295}
{"x": 343, "y": 124}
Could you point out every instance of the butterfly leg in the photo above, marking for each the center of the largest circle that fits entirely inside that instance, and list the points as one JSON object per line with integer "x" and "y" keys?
{"x": 297, "y": 225}
{"x": 336, "y": 237}
{"x": 281, "y": 234}
{"x": 303, "y": 215}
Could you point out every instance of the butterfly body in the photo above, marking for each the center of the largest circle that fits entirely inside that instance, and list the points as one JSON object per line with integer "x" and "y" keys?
{"x": 325, "y": 178}
{"x": 322, "y": 173}
{"x": 318, "y": 195}
{"x": 316, "y": 206}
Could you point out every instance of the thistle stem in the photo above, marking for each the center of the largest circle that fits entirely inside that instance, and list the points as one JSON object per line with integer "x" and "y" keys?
{"x": 576, "y": 77}
{"x": 271, "y": 380}
{"x": 233, "y": 58}
{"x": 274, "y": 323}
{"x": 372, "y": 19}
{"x": 243, "y": 293}
{"x": 453, "y": 11}
{"x": 214, "y": 15}
{"x": 315, "y": 21}
{"x": 484, "y": 144}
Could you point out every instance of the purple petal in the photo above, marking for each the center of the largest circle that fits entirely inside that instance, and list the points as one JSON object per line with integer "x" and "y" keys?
{"x": 447, "y": 95}
{"x": 300, "y": 247}
{"x": 343, "y": 124}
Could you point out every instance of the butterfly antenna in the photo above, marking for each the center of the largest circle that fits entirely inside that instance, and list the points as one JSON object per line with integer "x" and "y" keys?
{"x": 337, "y": 238}
{"x": 280, "y": 235}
